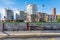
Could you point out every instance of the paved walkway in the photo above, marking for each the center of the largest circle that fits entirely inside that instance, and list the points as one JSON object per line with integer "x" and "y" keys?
{"x": 25, "y": 34}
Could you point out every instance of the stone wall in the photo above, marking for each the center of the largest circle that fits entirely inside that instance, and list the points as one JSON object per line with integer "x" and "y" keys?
{"x": 22, "y": 26}
{"x": 1, "y": 26}
{"x": 15, "y": 26}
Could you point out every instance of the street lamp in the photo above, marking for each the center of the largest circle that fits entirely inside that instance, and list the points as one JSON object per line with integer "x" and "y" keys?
{"x": 43, "y": 8}
{"x": 43, "y": 12}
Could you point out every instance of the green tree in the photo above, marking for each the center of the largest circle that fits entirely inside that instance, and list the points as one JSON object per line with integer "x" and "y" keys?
{"x": 58, "y": 19}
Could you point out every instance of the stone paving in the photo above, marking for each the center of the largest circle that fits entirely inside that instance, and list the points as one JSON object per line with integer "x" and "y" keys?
{"x": 5, "y": 34}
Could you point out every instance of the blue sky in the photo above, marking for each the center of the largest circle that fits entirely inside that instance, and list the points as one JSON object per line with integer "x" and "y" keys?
{"x": 21, "y": 4}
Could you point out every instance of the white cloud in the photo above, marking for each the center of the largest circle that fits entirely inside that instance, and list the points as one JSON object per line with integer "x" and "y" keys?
{"x": 8, "y": 2}
{"x": 1, "y": 10}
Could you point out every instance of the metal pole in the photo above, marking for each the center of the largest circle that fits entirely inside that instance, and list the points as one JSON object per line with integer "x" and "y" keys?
{"x": 43, "y": 8}
{"x": 43, "y": 14}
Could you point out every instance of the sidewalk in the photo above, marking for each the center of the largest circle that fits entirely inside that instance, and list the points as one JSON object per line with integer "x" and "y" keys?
{"x": 25, "y": 34}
